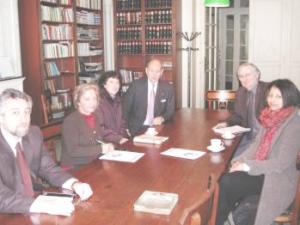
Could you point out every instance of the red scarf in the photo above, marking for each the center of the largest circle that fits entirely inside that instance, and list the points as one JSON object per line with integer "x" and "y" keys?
{"x": 271, "y": 120}
{"x": 90, "y": 120}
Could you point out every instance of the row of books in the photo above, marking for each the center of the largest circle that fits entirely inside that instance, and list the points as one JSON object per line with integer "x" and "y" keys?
{"x": 51, "y": 85}
{"x": 58, "y": 50}
{"x": 51, "y": 69}
{"x": 57, "y": 14}
{"x": 87, "y": 49}
{"x": 57, "y": 32}
{"x": 62, "y": 2}
{"x": 89, "y": 4}
{"x": 89, "y": 18}
{"x": 88, "y": 33}
{"x": 128, "y": 75}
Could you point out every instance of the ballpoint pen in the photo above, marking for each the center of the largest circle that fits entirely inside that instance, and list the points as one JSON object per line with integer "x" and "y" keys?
{"x": 100, "y": 142}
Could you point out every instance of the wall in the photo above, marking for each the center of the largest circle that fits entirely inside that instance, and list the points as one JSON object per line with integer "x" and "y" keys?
{"x": 274, "y": 38}
{"x": 9, "y": 34}
{"x": 192, "y": 20}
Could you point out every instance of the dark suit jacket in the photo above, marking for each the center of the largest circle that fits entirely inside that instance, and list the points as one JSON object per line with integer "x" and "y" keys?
{"x": 79, "y": 144}
{"x": 40, "y": 163}
{"x": 239, "y": 116}
{"x": 136, "y": 99}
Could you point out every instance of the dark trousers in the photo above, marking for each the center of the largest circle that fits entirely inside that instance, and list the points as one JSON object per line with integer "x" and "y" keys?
{"x": 234, "y": 187}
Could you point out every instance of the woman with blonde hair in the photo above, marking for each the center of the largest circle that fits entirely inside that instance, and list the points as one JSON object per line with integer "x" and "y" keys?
{"x": 81, "y": 131}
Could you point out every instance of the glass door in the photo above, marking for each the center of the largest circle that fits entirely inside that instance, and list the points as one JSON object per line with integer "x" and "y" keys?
{"x": 233, "y": 42}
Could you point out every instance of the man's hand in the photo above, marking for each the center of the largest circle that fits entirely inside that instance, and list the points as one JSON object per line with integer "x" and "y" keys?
{"x": 82, "y": 189}
{"x": 220, "y": 125}
{"x": 158, "y": 120}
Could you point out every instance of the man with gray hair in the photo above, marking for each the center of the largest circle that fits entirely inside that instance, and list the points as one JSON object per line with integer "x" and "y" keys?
{"x": 249, "y": 103}
{"x": 23, "y": 157}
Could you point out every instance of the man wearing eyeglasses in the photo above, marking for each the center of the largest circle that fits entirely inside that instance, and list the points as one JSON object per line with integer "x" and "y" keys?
{"x": 249, "y": 103}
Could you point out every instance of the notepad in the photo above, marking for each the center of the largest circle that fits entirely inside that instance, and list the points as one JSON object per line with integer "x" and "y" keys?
{"x": 236, "y": 129}
{"x": 156, "y": 202}
{"x": 149, "y": 139}
{"x": 183, "y": 153}
{"x": 122, "y": 156}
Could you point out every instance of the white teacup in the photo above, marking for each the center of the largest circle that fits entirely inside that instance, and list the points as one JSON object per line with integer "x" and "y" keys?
{"x": 151, "y": 131}
{"x": 216, "y": 143}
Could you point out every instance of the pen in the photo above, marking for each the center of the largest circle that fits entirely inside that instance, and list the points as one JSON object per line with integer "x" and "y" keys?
{"x": 100, "y": 142}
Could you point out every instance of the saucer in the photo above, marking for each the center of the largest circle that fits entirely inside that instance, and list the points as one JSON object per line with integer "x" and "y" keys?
{"x": 228, "y": 138}
{"x": 212, "y": 149}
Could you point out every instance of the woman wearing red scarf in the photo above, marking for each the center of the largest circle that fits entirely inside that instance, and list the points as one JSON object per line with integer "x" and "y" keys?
{"x": 268, "y": 167}
{"x": 81, "y": 130}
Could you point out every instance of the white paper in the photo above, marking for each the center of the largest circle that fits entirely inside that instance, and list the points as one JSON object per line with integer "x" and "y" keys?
{"x": 122, "y": 156}
{"x": 183, "y": 153}
{"x": 54, "y": 205}
{"x": 233, "y": 129}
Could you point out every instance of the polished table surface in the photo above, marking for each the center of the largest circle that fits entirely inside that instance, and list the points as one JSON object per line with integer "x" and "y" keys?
{"x": 117, "y": 185}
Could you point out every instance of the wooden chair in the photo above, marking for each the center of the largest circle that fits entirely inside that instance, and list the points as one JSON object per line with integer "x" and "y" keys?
{"x": 219, "y": 99}
{"x": 293, "y": 216}
{"x": 201, "y": 212}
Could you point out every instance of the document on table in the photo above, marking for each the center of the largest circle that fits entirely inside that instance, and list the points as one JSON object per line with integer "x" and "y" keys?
{"x": 183, "y": 153}
{"x": 122, "y": 156}
{"x": 233, "y": 129}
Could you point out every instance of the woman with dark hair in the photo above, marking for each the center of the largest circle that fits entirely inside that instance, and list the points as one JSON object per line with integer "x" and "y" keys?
{"x": 110, "y": 108}
{"x": 268, "y": 167}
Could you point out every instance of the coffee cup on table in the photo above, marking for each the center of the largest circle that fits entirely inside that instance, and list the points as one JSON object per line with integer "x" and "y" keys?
{"x": 151, "y": 131}
{"x": 216, "y": 143}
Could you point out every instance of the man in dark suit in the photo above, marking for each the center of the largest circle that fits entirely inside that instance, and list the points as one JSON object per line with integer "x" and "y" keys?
{"x": 23, "y": 157}
{"x": 251, "y": 99}
{"x": 149, "y": 101}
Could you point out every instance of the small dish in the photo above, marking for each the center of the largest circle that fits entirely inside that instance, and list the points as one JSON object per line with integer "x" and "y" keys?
{"x": 228, "y": 137}
{"x": 213, "y": 149}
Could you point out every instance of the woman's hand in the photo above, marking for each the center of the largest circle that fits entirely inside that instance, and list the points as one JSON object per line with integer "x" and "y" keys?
{"x": 123, "y": 140}
{"x": 109, "y": 147}
{"x": 239, "y": 166}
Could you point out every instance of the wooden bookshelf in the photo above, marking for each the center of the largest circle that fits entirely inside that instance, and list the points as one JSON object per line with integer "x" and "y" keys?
{"x": 143, "y": 29}
{"x": 53, "y": 46}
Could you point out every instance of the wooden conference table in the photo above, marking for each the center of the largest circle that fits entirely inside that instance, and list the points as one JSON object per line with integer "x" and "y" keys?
{"x": 117, "y": 185}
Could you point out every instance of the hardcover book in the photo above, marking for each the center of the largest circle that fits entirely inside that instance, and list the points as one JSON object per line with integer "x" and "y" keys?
{"x": 149, "y": 139}
{"x": 156, "y": 202}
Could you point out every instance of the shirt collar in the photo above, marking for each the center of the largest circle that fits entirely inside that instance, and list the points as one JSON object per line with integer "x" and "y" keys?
{"x": 11, "y": 140}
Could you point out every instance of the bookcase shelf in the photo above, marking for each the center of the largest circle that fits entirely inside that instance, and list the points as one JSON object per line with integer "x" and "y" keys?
{"x": 52, "y": 48}
{"x": 145, "y": 29}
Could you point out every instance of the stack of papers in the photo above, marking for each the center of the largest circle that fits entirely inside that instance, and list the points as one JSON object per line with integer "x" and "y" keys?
{"x": 183, "y": 153}
{"x": 233, "y": 129}
{"x": 156, "y": 202}
{"x": 149, "y": 139}
{"x": 122, "y": 156}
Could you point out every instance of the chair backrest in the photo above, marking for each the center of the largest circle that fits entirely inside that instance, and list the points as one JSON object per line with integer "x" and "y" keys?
{"x": 200, "y": 213}
{"x": 221, "y": 98}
